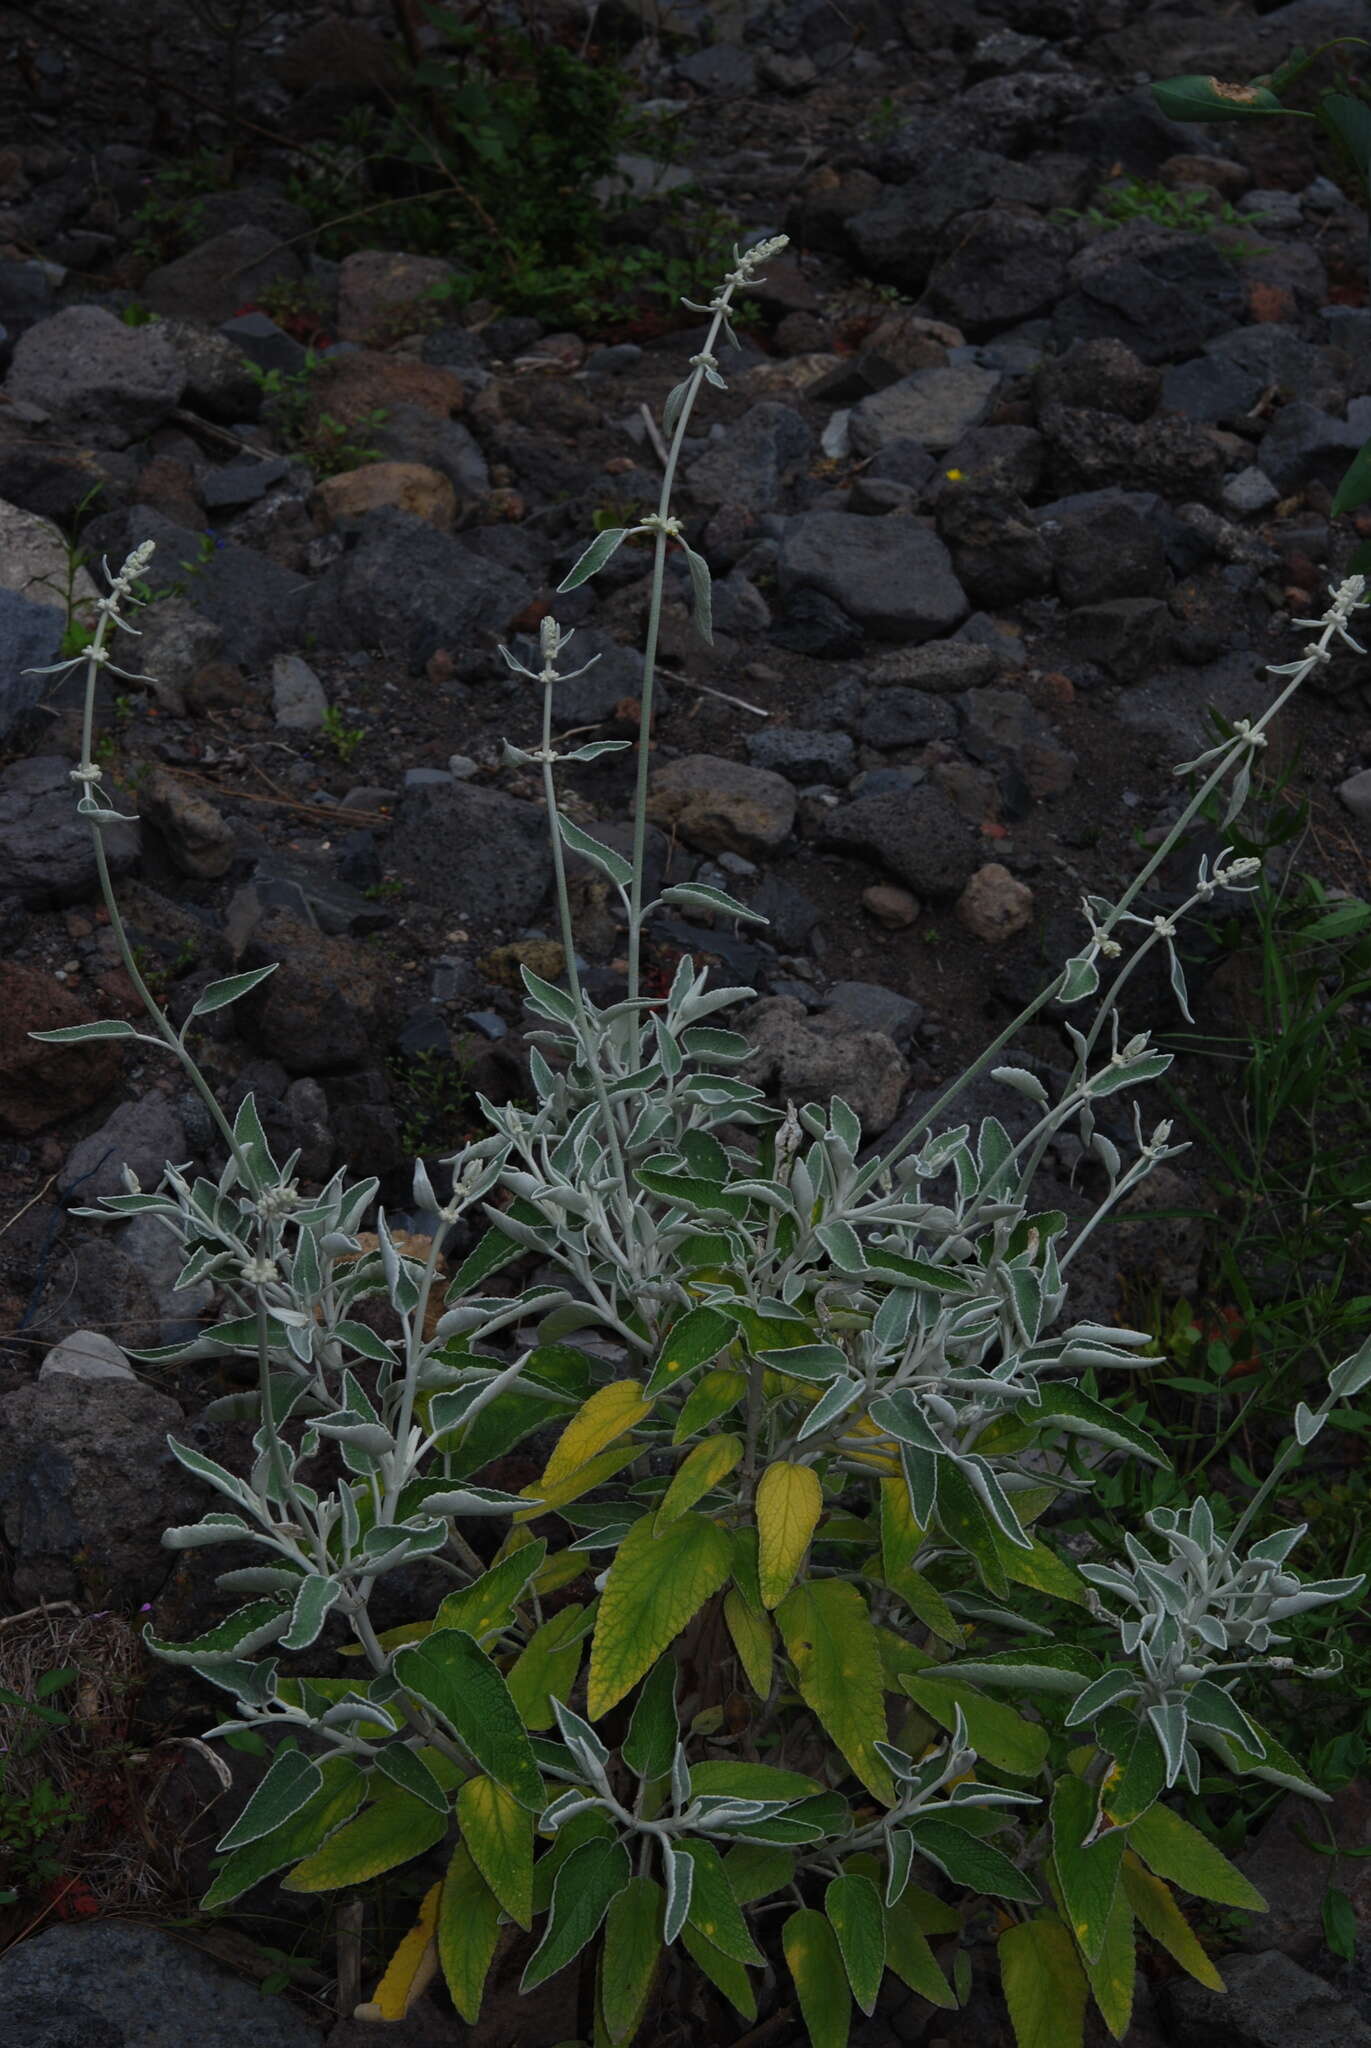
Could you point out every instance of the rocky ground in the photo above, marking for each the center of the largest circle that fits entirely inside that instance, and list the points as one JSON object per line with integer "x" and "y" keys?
{"x": 1000, "y": 503}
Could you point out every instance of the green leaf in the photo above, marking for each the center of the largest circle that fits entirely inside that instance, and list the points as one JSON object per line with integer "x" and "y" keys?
{"x": 977, "y": 1866}
{"x": 603, "y": 857}
{"x": 468, "y": 1933}
{"x": 752, "y": 1637}
{"x": 712, "y": 1396}
{"x": 653, "y": 1732}
{"x": 498, "y": 1832}
{"x": 751, "y": 1781}
{"x": 220, "y": 994}
{"x": 723, "y": 1973}
{"x": 1163, "y": 1919}
{"x": 545, "y": 1669}
{"x": 392, "y": 1830}
{"x": 701, "y": 591}
{"x": 341, "y": 1793}
{"x": 855, "y": 1913}
{"x": 1340, "y": 1925}
{"x": 293, "y": 1780}
{"x": 1044, "y": 1985}
{"x": 711, "y": 1461}
{"x": 1350, "y": 121}
{"x": 1140, "y": 1766}
{"x": 994, "y": 1729}
{"x": 692, "y": 1341}
{"x": 656, "y": 1584}
{"x": 906, "y": 1945}
{"x": 407, "y": 1769}
{"x": 965, "y": 1522}
{"x": 1277, "y": 1766}
{"x": 83, "y": 1034}
{"x": 1355, "y": 488}
{"x": 450, "y": 1672}
{"x": 632, "y": 1951}
{"x": 1080, "y": 1415}
{"x": 487, "y": 1604}
{"x": 1175, "y": 1850}
{"x": 1197, "y": 98}
{"x": 1058, "y": 1668}
{"x": 1113, "y": 1974}
{"x": 594, "y": 557}
{"x": 832, "y": 1643}
{"x": 756, "y": 1870}
{"x": 816, "y": 1967}
{"x": 1089, "y": 1877}
{"x": 713, "y": 1908}
{"x": 591, "y": 1877}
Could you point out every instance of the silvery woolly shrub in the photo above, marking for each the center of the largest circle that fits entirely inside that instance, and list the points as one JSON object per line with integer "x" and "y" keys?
{"x": 745, "y": 1673}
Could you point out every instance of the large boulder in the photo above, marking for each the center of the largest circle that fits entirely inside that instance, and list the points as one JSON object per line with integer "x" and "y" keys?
{"x": 889, "y": 575}
{"x": 482, "y": 856}
{"x": 917, "y": 835}
{"x": 47, "y": 855}
{"x": 42, "y": 1084}
{"x": 95, "y": 377}
{"x": 410, "y": 590}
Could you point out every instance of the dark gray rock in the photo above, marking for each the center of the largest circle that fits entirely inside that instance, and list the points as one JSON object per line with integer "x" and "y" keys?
{"x": 722, "y": 70}
{"x": 327, "y": 1005}
{"x": 257, "y": 336}
{"x": 46, "y": 855}
{"x": 616, "y": 673}
{"x": 813, "y": 624}
{"x": 219, "y": 379}
{"x": 1104, "y": 544}
{"x": 798, "y": 1062}
{"x": 998, "y": 553}
{"x": 143, "y": 1134}
{"x": 1002, "y": 267}
{"x": 792, "y": 916}
{"x": 227, "y": 271}
{"x": 313, "y": 895}
{"x": 25, "y": 296}
{"x": 871, "y": 1007}
{"x": 1006, "y": 459}
{"x": 1303, "y": 445}
{"x": 899, "y": 717}
{"x": 241, "y": 482}
{"x": 1165, "y": 294}
{"x": 30, "y": 638}
{"x": 95, "y": 377}
{"x": 904, "y": 461}
{"x": 919, "y": 836}
{"x": 947, "y": 666}
{"x": 410, "y": 590}
{"x": 755, "y": 459}
{"x": 258, "y": 606}
{"x": 803, "y": 756}
{"x": 1278, "y": 354}
{"x": 1210, "y": 389}
{"x": 1103, "y": 376}
{"x": 87, "y": 1486}
{"x": 409, "y": 434}
{"x": 58, "y": 2023}
{"x": 1270, "y": 2002}
{"x": 1002, "y": 725}
{"x": 479, "y": 854}
{"x": 933, "y": 407}
{"x": 1126, "y": 637}
{"x": 145, "y": 1990}
{"x": 1167, "y": 454}
{"x": 889, "y": 575}
{"x": 1019, "y": 108}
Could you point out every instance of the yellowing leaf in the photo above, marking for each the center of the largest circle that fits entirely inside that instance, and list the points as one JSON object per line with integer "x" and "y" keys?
{"x": 789, "y": 1503}
{"x": 752, "y": 1639}
{"x": 832, "y": 1642}
{"x": 412, "y": 1967}
{"x": 705, "y": 1466}
{"x": 1175, "y": 1850}
{"x": 593, "y": 1428}
{"x": 815, "y": 1963}
{"x": 570, "y": 1487}
{"x": 488, "y": 1602}
{"x": 468, "y": 1930}
{"x": 1163, "y": 1919}
{"x": 395, "y": 1827}
{"x": 499, "y": 1834}
{"x": 655, "y": 1585}
{"x": 713, "y": 1394}
{"x": 1044, "y": 1985}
